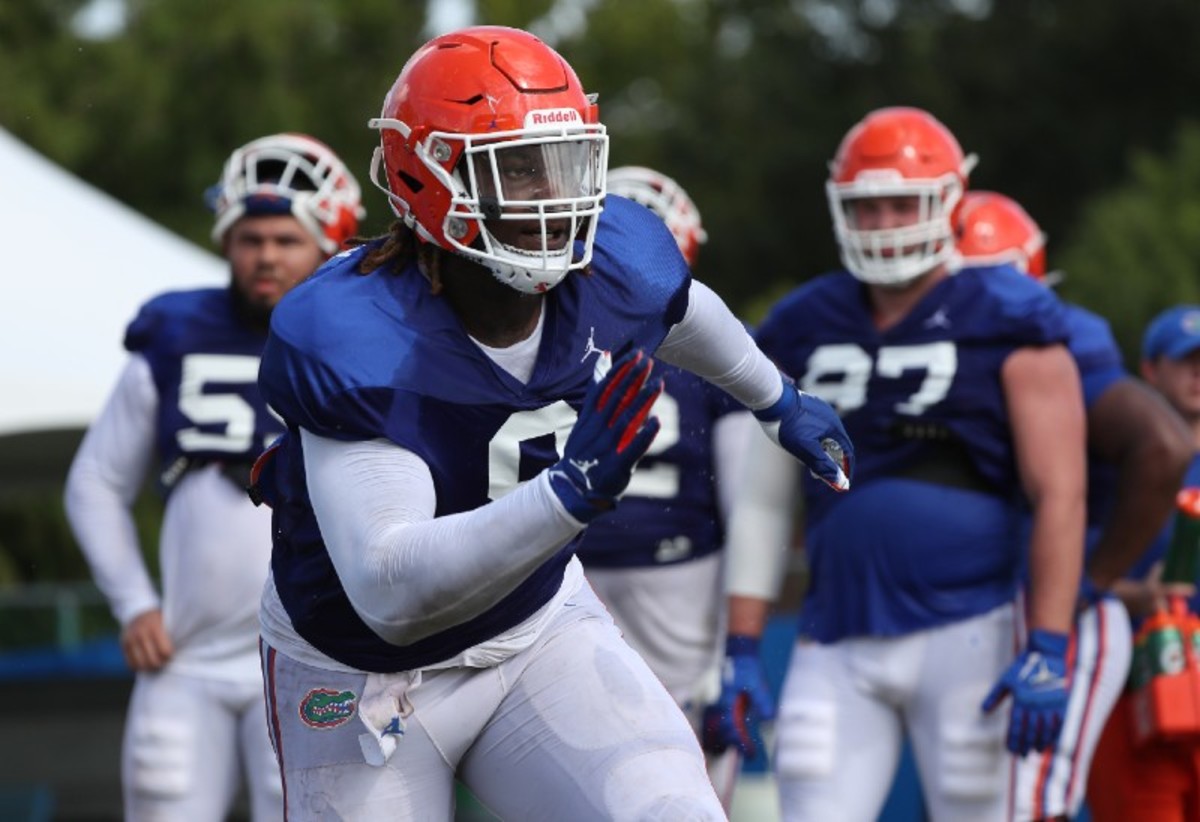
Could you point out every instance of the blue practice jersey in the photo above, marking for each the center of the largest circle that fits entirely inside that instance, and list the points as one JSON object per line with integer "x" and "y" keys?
{"x": 669, "y": 513}
{"x": 358, "y": 357}
{"x": 930, "y": 531}
{"x": 1100, "y": 366}
{"x": 205, "y": 366}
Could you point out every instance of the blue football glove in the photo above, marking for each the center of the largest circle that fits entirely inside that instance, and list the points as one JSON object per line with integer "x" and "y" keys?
{"x": 612, "y": 433}
{"x": 745, "y": 701}
{"x": 1037, "y": 680}
{"x": 810, "y": 430}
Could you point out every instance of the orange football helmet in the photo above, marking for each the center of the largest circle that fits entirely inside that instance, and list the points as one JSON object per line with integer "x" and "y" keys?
{"x": 666, "y": 198}
{"x": 993, "y": 229}
{"x": 289, "y": 174}
{"x": 897, "y": 152}
{"x": 491, "y": 124}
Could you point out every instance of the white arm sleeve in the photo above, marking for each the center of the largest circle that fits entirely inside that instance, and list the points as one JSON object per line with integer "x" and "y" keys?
{"x": 760, "y": 527}
{"x": 409, "y": 574}
{"x": 712, "y": 343}
{"x": 105, "y": 477}
{"x": 731, "y": 436}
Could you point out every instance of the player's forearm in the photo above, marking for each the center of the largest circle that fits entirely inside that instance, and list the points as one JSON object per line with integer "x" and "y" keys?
{"x": 106, "y": 532}
{"x": 732, "y": 436}
{"x": 1142, "y": 509}
{"x": 1151, "y": 448}
{"x": 760, "y": 527}
{"x": 1055, "y": 562}
{"x": 409, "y": 574}
{"x": 1045, "y": 407}
{"x": 105, "y": 477}
{"x": 712, "y": 343}
{"x": 747, "y": 616}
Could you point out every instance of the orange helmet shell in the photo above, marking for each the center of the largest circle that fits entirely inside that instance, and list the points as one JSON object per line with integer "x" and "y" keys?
{"x": 908, "y": 141}
{"x": 897, "y": 152}
{"x": 474, "y": 81}
{"x": 993, "y": 228}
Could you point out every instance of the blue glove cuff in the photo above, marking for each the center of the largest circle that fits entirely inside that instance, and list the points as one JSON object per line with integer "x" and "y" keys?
{"x": 788, "y": 400}
{"x": 1050, "y": 643}
{"x": 741, "y": 645}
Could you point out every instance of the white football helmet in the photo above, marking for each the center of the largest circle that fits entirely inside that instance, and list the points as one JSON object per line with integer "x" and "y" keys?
{"x": 289, "y": 174}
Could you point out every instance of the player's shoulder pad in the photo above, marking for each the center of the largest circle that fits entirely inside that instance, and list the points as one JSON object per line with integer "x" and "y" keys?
{"x": 1092, "y": 341}
{"x": 824, "y": 297}
{"x": 1089, "y": 324}
{"x": 168, "y": 313}
{"x": 1006, "y": 303}
{"x": 636, "y": 256}
{"x": 336, "y": 335}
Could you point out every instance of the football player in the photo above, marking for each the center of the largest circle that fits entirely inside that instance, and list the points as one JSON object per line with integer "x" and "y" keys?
{"x": 462, "y": 397}
{"x": 656, "y": 561}
{"x": 1138, "y": 450}
{"x": 965, "y": 408}
{"x": 188, "y": 402}
{"x": 1156, "y": 780}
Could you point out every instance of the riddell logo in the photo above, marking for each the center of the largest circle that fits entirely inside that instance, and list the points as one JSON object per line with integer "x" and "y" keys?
{"x": 551, "y": 117}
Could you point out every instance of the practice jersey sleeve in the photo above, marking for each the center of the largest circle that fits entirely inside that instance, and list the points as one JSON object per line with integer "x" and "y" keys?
{"x": 1095, "y": 352}
{"x": 102, "y": 484}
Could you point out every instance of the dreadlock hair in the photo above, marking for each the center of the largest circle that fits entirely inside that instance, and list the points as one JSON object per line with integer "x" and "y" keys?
{"x": 393, "y": 252}
{"x": 396, "y": 249}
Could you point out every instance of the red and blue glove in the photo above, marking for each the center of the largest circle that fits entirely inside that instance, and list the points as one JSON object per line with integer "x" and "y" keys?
{"x": 744, "y": 702}
{"x": 1038, "y": 683}
{"x": 613, "y": 432}
{"x": 810, "y": 430}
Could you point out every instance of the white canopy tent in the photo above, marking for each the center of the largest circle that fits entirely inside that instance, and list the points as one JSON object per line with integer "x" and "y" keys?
{"x": 78, "y": 263}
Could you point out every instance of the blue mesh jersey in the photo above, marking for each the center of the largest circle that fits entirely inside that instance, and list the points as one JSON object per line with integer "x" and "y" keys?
{"x": 930, "y": 532}
{"x": 356, "y": 357}
{"x": 1100, "y": 366}
{"x": 669, "y": 512}
{"x": 205, "y": 366}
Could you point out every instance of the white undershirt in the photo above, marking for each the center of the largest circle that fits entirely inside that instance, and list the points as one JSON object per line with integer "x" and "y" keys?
{"x": 520, "y": 358}
{"x": 210, "y": 532}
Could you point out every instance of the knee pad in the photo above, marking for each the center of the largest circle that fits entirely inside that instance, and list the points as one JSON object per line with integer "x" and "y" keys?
{"x": 971, "y": 758}
{"x": 671, "y": 808}
{"x": 807, "y": 738}
{"x": 160, "y": 758}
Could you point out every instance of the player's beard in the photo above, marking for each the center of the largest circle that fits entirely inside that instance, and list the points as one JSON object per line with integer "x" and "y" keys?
{"x": 252, "y": 315}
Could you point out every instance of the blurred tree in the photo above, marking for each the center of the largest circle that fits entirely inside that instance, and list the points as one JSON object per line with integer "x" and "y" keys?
{"x": 1078, "y": 109}
{"x": 1136, "y": 250}
{"x": 150, "y": 115}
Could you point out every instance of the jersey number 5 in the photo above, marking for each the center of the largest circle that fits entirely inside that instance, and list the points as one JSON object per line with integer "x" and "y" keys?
{"x": 226, "y": 409}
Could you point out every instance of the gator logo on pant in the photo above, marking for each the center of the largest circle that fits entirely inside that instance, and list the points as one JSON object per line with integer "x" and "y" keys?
{"x": 324, "y": 708}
